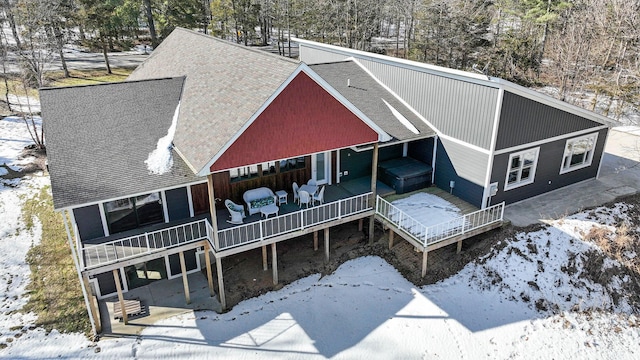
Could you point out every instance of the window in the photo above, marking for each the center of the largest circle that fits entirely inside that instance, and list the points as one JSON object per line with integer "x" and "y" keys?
{"x": 266, "y": 168}
{"x": 522, "y": 168}
{"x": 578, "y": 153}
{"x": 243, "y": 173}
{"x": 130, "y": 213}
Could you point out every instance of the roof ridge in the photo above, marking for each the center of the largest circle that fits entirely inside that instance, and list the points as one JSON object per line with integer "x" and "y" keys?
{"x": 239, "y": 46}
{"x": 126, "y": 81}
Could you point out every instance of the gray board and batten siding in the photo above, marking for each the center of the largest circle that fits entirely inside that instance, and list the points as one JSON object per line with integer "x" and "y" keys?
{"x": 524, "y": 121}
{"x": 461, "y": 109}
{"x": 547, "y": 176}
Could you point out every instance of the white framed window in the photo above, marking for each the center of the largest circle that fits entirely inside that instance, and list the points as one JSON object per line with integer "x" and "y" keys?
{"x": 521, "y": 169}
{"x": 578, "y": 152}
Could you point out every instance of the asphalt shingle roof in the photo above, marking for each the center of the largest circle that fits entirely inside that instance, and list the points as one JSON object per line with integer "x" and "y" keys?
{"x": 365, "y": 93}
{"x": 99, "y": 136}
{"x": 226, "y": 84}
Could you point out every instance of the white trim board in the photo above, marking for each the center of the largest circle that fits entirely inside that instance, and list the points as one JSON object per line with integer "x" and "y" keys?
{"x": 551, "y": 139}
{"x": 131, "y": 195}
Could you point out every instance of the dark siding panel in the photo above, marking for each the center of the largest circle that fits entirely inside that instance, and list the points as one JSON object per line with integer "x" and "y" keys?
{"x": 89, "y": 222}
{"x": 177, "y": 203}
{"x": 445, "y": 172}
{"x": 189, "y": 261}
{"x": 524, "y": 120}
{"x": 422, "y": 150}
{"x": 548, "y": 170}
{"x": 358, "y": 164}
{"x": 107, "y": 283}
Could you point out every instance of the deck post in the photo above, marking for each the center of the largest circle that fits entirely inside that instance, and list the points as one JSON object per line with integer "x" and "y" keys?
{"x": 212, "y": 211}
{"x": 326, "y": 244}
{"x": 185, "y": 281}
{"x": 265, "y": 264}
{"x": 116, "y": 277}
{"x": 459, "y": 247}
{"x": 391, "y": 234}
{"x": 207, "y": 259}
{"x": 374, "y": 179}
{"x": 424, "y": 262}
{"x": 274, "y": 263}
{"x": 315, "y": 241}
{"x": 95, "y": 314}
{"x": 223, "y": 301}
{"x": 360, "y": 224}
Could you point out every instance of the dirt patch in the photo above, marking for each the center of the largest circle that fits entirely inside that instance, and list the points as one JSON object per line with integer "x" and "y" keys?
{"x": 244, "y": 276}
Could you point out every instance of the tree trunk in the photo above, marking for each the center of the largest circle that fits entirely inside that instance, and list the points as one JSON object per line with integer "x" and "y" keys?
{"x": 12, "y": 22}
{"x": 152, "y": 27}
{"x": 106, "y": 57}
{"x": 60, "y": 45}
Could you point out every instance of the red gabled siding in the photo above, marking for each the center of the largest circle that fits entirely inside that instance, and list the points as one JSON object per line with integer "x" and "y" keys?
{"x": 302, "y": 119}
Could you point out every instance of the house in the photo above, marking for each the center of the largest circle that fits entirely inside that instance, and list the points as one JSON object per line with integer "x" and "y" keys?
{"x": 142, "y": 169}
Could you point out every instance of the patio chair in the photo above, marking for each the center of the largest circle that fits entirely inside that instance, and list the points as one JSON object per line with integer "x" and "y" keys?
{"x": 304, "y": 198}
{"x": 235, "y": 211}
{"x": 311, "y": 182}
{"x": 319, "y": 197}
{"x": 295, "y": 192}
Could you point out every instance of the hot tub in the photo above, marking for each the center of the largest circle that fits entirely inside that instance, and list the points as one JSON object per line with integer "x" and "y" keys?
{"x": 405, "y": 174}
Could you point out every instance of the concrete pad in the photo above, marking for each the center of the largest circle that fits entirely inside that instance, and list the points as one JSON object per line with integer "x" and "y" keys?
{"x": 619, "y": 176}
{"x": 161, "y": 299}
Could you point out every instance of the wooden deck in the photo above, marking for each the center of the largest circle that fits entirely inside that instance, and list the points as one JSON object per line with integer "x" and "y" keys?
{"x": 465, "y": 207}
{"x": 472, "y": 222}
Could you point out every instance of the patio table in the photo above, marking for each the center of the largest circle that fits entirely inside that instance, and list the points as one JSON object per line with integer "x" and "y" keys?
{"x": 271, "y": 209}
{"x": 311, "y": 189}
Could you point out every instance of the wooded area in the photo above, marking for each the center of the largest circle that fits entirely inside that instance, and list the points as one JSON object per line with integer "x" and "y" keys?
{"x": 585, "y": 51}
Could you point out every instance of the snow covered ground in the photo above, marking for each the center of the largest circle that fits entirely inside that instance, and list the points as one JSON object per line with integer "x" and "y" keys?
{"x": 528, "y": 298}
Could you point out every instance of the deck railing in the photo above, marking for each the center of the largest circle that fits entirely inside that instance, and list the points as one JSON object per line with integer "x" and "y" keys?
{"x": 286, "y": 223}
{"x": 149, "y": 242}
{"x": 428, "y": 235}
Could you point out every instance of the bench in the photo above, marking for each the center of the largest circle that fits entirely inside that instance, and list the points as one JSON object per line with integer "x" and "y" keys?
{"x": 132, "y": 307}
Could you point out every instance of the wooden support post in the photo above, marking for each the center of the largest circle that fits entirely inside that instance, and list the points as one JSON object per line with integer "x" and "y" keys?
{"x": 459, "y": 247}
{"x": 212, "y": 211}
{"x": 223, "y": 301}
{"x": 374, "y": 180}
{"x": 391, "y": 234}
{"x": 95, "y": 314}
{"x": 185, "y": 281}
{"x": 424, "y": 262}
{"x": 326, "y": 244}
{"x": 265, "y": 264}
{"x": 360, "y": 224}
{"x": 116, "y": 277}
{"x": 315, "y": 241}
{"x": 274, "y": 263}
{"x": 207, "y": 259}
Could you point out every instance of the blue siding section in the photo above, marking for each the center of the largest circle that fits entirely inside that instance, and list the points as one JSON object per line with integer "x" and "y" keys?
{"x": 189, "y": 261}
{"x": 547, "y": 177}
{"x": 445, "y": 172}
{"x": 358, "y": 164}
{"x": 177, "y": 203}
{"x": 89, "y": 222}
{"x": 422, "y": 150}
